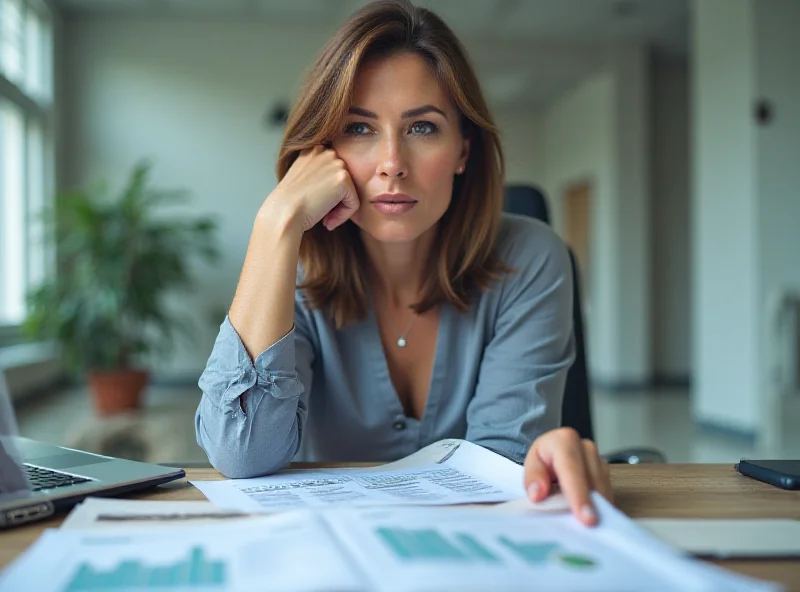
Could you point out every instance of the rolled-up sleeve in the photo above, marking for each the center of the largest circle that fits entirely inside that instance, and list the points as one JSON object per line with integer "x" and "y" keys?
{"x": 524, "y": 367}
{"x": 264, "y": 436}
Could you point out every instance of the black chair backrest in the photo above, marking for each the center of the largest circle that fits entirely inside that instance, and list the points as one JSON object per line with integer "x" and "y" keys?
{"x": 576, "y": 411}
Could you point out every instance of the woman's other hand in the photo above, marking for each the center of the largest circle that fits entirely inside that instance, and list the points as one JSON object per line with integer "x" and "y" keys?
{"x": 317, "y": 187}
{"x": 561, "y": 456}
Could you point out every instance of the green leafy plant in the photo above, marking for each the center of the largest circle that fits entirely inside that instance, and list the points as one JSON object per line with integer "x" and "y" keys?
{"x": 117, "y": 257}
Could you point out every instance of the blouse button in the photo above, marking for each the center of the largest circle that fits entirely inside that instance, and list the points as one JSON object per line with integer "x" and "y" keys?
{"x": 399, "y": 425}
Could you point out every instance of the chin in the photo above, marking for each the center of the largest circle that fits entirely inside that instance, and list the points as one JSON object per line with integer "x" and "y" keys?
{"x": 392, "y": 232}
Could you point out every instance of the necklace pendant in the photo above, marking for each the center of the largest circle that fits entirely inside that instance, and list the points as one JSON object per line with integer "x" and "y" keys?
{"x": 402, "y": 342}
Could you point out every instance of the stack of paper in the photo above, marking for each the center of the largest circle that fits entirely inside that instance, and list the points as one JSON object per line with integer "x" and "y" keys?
{"x": 382, "y": 549}
{"x": 359, "y": 529}
{"x": 446, "y": 473}
{"x": 265, "y": 553}
{"x": 100, "y": 513}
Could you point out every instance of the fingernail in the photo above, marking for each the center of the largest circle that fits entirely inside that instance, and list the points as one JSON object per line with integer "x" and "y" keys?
{"x": 588, "y": 513}
{"x": 533, "y": 490}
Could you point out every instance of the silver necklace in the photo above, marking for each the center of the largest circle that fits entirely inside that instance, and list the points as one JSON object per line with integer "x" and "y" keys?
{"x": 401, "y": 341}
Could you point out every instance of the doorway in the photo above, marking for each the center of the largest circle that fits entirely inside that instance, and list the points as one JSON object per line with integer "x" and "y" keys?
{"x": 577, "y": 233}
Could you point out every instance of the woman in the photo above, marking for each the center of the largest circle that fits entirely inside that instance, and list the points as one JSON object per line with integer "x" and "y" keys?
{"x": 422, "y": 312}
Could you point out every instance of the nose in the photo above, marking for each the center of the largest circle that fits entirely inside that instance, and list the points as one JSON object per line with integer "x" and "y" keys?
{"x": 391, "y": 162}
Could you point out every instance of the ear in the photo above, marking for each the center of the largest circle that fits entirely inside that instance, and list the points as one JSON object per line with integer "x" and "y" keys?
{"x": 464, "y": 156}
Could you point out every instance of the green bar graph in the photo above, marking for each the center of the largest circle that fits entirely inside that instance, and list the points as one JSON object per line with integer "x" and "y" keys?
{"x": 218, "y": 573}
{"x": 476, "y": 549}
{"x": 160, "y": 576}
{"x": 533, "y": 553}
{"x": 196, "y": 566}
{"x": 196, "y": 572}
{"x": 420, "y": 544}
{"x": 432, "y": 545}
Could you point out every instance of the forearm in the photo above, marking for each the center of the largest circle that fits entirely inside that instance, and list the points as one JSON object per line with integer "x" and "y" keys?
{"x": 262, "y": 311}
{"x": 258, "y": 443}
{"x": 256, "y": 434}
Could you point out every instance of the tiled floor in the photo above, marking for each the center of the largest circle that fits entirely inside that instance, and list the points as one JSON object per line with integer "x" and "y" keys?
{"x": 165, "y": 429}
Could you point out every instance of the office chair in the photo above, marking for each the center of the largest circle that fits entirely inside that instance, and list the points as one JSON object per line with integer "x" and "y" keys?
{"x": 576, "y": 411}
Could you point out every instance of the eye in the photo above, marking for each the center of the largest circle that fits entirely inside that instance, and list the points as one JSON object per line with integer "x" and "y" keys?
{"x": 357, "y": 128}
{"x": 423, "y": 128}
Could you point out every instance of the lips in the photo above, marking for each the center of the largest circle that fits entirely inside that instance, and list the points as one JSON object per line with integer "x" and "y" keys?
{"x": 393, "y": 204}
{"x": 394, "y": 198}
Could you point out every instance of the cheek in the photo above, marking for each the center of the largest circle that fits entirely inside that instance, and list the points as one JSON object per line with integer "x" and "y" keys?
{"x": 435, "y": 173}
{"x": 358, "y": 163}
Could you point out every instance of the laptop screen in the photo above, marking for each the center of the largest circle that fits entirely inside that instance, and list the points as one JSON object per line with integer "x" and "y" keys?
{"x": 12, "y": 477}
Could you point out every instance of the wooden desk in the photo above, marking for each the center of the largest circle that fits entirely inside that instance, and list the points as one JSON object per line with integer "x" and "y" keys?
{"x": 642, "y": 491}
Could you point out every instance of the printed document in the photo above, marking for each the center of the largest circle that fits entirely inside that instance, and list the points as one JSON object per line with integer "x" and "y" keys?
{"x": 101, "y": 513}
{"x": 445, "y": 473}
{"x": 265, "y": 553}
{"x": 363, "y": 549}
{"x": 422, "y": 549}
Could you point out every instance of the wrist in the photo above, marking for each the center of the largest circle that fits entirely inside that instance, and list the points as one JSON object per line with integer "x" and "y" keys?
{"x": 278, "y": 215}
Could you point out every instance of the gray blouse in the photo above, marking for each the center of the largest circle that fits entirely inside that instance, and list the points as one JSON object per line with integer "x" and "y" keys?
{"x": 324, "y": 394}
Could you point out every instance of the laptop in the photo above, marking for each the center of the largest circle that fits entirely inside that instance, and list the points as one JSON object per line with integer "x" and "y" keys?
{"x": 38, "y": 479}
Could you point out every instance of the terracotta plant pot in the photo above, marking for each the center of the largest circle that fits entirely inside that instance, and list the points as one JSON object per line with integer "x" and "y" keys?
{"x": 117, "y": 390}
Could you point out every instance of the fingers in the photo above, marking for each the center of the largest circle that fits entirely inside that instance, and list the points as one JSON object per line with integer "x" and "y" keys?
{"x": 598, "y": 470}
{"x": 306, "y": 153}
{"x": 349, "y": 203}
{"x": 323, "y": 187}
{"x": 350, "y": 199}
{"x": 315, "y": 149}
{"x": 560, "y": 454}
{"x": 569, "y": 466}
{"x": 348, "y": 206}
{"x": 538, "y": 479}
{"x": 337, "y": 216}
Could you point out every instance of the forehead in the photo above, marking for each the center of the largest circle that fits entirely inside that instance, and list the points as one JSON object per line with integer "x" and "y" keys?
{"x": 400, "y": 82}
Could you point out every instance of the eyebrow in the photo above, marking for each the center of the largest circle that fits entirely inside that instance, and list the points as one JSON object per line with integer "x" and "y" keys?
{"x": 416, "y": 112}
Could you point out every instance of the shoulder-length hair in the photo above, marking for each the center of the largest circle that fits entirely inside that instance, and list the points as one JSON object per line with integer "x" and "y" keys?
{"x": 462, "y": 260}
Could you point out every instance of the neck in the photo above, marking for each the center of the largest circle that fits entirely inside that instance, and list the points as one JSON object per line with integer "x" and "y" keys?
{"x": 398, "y": 269}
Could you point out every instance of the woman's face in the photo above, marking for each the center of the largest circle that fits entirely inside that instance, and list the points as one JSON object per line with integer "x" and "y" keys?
{"x": 403, "y": 146}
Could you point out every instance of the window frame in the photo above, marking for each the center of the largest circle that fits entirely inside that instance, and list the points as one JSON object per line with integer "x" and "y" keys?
{"x": 38, "y": 109}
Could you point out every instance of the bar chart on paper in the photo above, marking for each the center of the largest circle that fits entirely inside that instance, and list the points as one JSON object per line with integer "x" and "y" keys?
{"x": 429, "y": 544}
{"x": 432, "y": 545}
{"x": 261, "y": 553}
{"x": 195, "y": 572}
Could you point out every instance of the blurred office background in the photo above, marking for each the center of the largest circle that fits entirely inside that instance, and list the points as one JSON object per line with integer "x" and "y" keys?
{"x": 664, "y": 133}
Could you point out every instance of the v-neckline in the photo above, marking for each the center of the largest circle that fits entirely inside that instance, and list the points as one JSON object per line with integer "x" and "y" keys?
{"x": 437, "y": 373}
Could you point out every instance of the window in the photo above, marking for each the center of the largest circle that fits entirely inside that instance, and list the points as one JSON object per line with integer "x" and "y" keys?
{"x": 26, "y": 154}
{"x": 11, "y": 39}
{"x": 12, "y": 147}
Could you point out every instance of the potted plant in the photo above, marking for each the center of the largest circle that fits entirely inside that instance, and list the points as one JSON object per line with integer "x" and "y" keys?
{"x": 117, "y": 257}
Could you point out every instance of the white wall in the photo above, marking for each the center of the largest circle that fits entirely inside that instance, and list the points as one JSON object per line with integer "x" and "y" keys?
{"x": 584, "y": 139}
{"x": 778, "y": 177}
{"x": 523, "y": 145}
{"x": 778, "y": 142}
{"x": 631, "y": 69}
{"x": 746, "y": 239}
{"x": 579, "y": 135}
{"x": 192, "y": 95}
{"x": 671, "y": 231}
{"x": 600, "y": 132}
{"x": 724, "y": 237}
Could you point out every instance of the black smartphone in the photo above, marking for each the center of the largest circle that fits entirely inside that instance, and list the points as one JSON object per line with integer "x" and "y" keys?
{"x": 780, "y": 473}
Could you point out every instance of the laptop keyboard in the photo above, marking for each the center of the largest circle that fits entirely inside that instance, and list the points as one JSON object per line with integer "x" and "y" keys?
{"x": 48, "y": 479}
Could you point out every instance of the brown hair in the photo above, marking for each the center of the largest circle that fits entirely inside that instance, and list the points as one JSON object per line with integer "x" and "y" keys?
{"x": 462, "y": 259}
